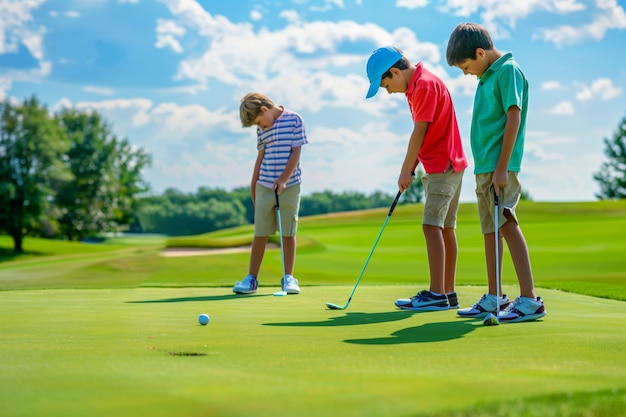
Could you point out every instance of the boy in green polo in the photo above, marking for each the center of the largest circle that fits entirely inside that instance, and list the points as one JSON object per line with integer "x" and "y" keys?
{"x": 497, "y": 141}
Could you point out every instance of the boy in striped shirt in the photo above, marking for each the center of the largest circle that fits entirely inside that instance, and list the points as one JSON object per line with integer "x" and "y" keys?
{"x": 280, "y": 137}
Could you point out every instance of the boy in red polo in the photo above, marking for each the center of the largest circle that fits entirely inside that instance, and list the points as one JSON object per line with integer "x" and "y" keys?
{"x": 436, "y": 143}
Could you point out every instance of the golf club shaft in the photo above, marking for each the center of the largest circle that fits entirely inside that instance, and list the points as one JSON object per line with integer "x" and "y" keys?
{"x": 497, "y": 241}
{"x": 393, "y": 206}
{"x": 280, "y": 232}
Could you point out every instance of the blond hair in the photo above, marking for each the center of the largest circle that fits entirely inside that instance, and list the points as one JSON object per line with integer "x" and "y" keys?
{"x": 250, "y": 107}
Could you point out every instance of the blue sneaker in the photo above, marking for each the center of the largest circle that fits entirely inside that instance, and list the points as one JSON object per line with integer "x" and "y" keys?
{"x": 424, "y": 301}
{"x": 247, "y": 286}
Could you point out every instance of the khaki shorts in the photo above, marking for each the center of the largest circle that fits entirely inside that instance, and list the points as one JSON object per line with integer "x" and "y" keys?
{"x": 441, "y": 195}
{"x": 508, "y": 199}
{"x": 265, "y": 216}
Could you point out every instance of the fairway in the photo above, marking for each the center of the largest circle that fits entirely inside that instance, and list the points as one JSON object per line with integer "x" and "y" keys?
{"x": 131, "y": 352}
{"x": 112, "y": 330}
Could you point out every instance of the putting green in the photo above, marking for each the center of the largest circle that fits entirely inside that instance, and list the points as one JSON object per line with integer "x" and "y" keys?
{"x": 131, "y": 352}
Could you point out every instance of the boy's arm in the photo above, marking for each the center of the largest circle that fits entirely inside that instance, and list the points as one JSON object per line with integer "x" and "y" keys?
{"x": 292, "y": 163}
{"x": 256, "y": 173}
{"x": 410, "y": 160}
{"x": 513, "y": 120}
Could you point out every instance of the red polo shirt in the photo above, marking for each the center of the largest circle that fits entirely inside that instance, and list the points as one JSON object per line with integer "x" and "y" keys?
{"x": 430, "y": 101}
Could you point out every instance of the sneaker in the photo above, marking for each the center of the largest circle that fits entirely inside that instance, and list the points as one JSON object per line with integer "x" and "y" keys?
{"x": 453, "y": 300}
{"x": 484, "y": 306}
{"x": 247, "y": 286}
{"x": 424, "y": 301}
{"x": 523, "y": 309}
{"x": 290, "y": 285}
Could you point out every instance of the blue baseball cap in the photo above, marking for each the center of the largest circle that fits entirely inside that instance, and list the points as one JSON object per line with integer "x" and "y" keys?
{"x": 379, "y": 63}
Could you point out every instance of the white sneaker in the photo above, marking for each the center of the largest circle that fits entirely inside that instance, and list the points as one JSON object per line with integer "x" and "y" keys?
{"x": 523, "y": 309}
{"x": 484, "y": 306}
{"x": 290, "y": 285}
{"x": 247, "y": 286}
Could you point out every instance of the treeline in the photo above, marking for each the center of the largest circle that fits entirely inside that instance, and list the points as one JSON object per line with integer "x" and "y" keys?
{"x": 65, "y": 174}
{"x": 178, "y": 214}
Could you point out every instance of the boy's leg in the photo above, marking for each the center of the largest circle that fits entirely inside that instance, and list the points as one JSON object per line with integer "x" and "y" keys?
{"x": 289, "y": 207}
{"x": 289, "y": 249}
{"x": 490, "y": 259}
{"x": 257, "y": 251}
{"x": 436, "y": 249}
{"x": 451, "y": 253}
{"x": 519, "y": 254}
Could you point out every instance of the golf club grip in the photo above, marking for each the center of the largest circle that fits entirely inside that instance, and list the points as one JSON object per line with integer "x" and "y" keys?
{"x": 395, "y": 201}
{"x": 277, "y": 204}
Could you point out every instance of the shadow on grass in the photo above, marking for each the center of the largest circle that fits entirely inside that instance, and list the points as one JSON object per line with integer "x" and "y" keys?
{"x": 7, "y": 255}
{"x": 351, "y": 319}
{"x": 194, "y": 299}
{"x": 426, "y": 333}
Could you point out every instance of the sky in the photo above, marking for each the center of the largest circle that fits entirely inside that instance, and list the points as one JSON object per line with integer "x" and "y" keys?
{"x": 168, "y": 76}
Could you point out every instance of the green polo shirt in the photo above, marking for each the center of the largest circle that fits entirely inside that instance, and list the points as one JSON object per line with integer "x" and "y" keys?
{"x": 503, "y": 85}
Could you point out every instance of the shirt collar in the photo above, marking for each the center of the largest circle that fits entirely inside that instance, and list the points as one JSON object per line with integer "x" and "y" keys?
{"x": 417, "y": 74}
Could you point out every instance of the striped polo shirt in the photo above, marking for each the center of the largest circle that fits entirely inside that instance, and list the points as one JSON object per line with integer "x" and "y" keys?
{"x": 286, "y": 133}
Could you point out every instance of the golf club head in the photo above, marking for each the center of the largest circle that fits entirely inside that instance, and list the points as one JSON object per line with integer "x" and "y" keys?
{"x": 280, "y": 293}
{"x": 491, "y": 320}
{"x": 334, "y": 306}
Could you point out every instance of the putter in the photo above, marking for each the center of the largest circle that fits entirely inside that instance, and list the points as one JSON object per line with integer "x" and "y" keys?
{"x": 490, "y": 319}
{"x": 332, "y": 306}
{"x": 280, "y": 237}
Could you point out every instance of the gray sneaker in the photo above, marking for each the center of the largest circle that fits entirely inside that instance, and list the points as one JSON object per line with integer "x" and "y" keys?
{"x": 484, "y": 306}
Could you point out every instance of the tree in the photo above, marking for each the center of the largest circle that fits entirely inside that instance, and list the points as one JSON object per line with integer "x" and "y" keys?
{"x": 612, "y": 174}
{"x": 102, "y": 195}
{"x": 31, "y": 150}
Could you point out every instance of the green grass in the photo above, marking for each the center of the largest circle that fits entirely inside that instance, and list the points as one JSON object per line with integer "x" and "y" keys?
{"x": 111, "y": 329}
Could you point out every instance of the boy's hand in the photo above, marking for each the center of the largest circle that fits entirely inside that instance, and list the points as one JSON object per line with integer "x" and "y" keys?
{"x": 500, "y": 180}
{"x": 279, "y": 186}
{"x": 405, "y": 180}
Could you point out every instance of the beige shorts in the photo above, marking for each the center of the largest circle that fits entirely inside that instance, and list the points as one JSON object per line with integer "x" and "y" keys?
{"x": 441, "y": 198}
{"x": 507, "y": 200}
{"x": 265, "y": 216}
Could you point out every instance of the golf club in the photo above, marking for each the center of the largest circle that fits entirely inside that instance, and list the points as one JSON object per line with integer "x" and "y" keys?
{"x": 490, "y": 319}
{"x": 393, "y": 206}
{"x": 280, "y": 237}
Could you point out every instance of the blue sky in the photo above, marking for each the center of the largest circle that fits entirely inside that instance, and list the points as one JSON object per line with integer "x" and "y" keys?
{"x": 168, "y": 75}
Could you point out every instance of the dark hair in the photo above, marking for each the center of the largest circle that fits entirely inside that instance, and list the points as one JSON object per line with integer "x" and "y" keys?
{"x": 464, "y": 40}
{"x": 402, "y": 64}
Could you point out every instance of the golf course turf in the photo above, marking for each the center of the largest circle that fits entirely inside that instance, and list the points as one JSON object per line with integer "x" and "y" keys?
{"x": 112, "y": 329}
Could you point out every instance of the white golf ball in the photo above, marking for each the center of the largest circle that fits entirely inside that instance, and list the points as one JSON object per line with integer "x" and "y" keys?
{"x": 203, "y": 319}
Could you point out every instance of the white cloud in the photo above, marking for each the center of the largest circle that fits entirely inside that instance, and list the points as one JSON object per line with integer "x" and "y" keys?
{"x": 498, "y": 15}
{"x": 256, "y": 15}
{"x": 16, "y": 27}
{"x": 609, "y": 15}
{"x": 99, "y": 90}
{"x": 5, "y": 85}
{"x": 168, "y": 34}
{"x": 550, "y": 85}
{"x": 72, "y": 14}
{"x": 601, "y": 88}
{"x": 563, "y": 108}
{"x": 411, "y": 4}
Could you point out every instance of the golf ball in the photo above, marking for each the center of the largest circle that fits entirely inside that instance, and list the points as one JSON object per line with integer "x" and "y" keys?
{"x": 203, "y": 319}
